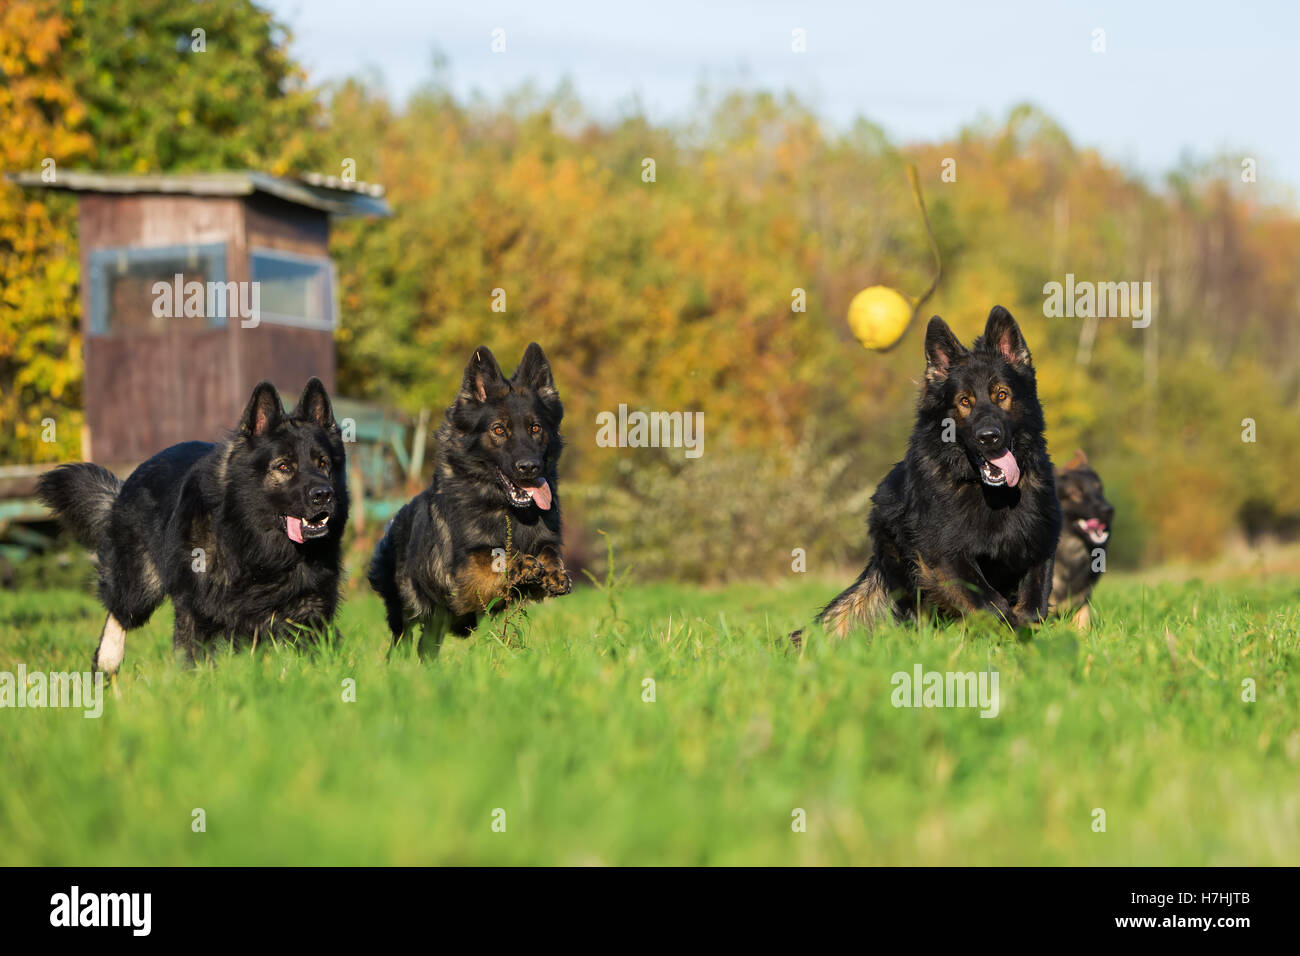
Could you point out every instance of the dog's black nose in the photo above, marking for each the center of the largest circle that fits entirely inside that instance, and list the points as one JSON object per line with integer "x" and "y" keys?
{"x": 528, "y": 468}
{"x": 321, "y": 496}
{"x": 989, "y": 438}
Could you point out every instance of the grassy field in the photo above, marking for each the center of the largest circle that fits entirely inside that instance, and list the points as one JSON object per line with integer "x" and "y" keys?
{"x": 1143, "y": 718}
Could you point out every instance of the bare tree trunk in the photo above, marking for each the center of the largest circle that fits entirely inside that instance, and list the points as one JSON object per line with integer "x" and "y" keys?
{"x": 1151, "y": 345}
{"x": 1087, "y": 336}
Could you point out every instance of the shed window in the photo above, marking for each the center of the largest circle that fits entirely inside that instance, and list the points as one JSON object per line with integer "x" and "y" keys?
{"x": 127, "y": 291}
{"x": 294, "y": 289}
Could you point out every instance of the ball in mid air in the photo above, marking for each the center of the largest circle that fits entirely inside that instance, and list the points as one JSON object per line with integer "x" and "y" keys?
{"x": 878, "y": 316}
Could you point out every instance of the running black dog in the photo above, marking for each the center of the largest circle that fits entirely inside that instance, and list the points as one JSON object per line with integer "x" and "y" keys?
{"x": 968, "y": 520}
{"x": 1081, "y": 554}
{"x": 243, "y": 536}
{"x": 487, "y": 529}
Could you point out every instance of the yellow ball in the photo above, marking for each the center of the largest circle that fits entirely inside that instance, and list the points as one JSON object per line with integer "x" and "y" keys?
{"x": 878, "y": 316}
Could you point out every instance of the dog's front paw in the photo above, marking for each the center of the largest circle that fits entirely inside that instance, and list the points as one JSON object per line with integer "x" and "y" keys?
{"x": 555, "y": 578}
{"x": 526, "y": 569}
{"x": 557, "y": 581}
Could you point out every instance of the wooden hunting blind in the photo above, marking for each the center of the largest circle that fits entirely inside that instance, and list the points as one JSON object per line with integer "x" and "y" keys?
{"x": 194, "y": 288}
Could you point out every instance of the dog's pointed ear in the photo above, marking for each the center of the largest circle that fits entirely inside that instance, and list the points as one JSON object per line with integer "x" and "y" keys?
{"x": 1003, "y": 334}
{"x": 482, "y": 377}
{"x": 534, "y": 372}
{"x": 941, "y": 349}
{"x": 314, "y": 405}
{"x": 1080, "y": 460}
{"x": 263, "y": 413}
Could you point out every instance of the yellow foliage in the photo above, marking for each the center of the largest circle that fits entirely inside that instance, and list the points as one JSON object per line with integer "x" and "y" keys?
{"x": 40, "y": 341}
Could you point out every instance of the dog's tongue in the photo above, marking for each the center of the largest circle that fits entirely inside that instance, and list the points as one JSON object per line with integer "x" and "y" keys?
{"x": 541, "y": 495}
{"x": 294, "y": 527}
{"x": 1007, "y": 464}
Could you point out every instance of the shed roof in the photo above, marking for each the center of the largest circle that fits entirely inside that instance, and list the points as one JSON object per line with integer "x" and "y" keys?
{"x": 326, "y": 193}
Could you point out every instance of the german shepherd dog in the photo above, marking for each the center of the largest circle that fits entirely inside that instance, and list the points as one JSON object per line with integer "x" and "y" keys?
{"x": 968, "y": 520}
{"x": 243, "y": 536}
{"x": 487, "y": 529}
{"x": 1087, "y": 518}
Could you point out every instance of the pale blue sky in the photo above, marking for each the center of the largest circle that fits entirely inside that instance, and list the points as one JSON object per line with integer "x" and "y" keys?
{"x": 1191, "y": 78}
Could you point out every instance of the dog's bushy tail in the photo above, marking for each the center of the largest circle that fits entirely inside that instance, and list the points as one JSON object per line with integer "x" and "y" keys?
{"x": 81, "y": 495}
{"x": 864, "y": 604}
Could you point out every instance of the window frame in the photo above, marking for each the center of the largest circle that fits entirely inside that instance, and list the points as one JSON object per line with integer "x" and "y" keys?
{"x": 328, "y": 324}
{"x": 100, "y": 261}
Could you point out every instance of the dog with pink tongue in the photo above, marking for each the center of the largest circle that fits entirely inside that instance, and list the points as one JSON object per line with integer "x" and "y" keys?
{"x": 486, "y": 531}
{"x": 968, "y": 521}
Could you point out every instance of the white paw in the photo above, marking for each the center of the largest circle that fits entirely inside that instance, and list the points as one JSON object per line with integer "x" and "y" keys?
{"x": 112, "y": 646}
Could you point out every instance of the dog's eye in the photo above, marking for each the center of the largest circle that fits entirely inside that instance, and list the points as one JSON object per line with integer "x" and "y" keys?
{"x": 284, "y": 467}
{"x": 536, "y": 429}
{"x": 498, "y": 430}
{"x": 1000, "y": 395}
{"x": 323, "y": 465}
{"x": 964, "y": 401}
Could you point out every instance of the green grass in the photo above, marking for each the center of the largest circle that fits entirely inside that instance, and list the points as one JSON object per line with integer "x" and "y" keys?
{"x": 1143, "y": 717}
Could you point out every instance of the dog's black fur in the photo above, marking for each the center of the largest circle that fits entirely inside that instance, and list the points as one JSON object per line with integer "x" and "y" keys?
{"x": 478, "y": 536}
{"x": 1086, "y": 525}
{"x": 949, "y": 532}
{"x": 236, "y": 501}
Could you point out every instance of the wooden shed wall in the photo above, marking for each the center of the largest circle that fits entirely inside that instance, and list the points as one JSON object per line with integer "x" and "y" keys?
{"x": 284, "y": 354}
{"x": 283, "y": 225}
{"x": 145, "y": 391}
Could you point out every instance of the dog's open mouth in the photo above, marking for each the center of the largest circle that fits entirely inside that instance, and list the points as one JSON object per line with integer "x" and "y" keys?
{"x": 999, "y": 471}
{"x": 301, "y": 529}
{"x": 1094, "y": 530}
{"x": 521, "y": 496}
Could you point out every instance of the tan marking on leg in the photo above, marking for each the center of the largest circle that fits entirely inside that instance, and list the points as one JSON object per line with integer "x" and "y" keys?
{"x": 1082, "y": 618}
{"x": 947, "y": 594}
{"x": 477, "y": 583}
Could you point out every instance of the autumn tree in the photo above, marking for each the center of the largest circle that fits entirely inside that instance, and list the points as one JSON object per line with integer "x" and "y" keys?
{"x": 123, "y": 86}
{"x": 43, "y": 121}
